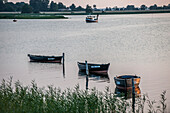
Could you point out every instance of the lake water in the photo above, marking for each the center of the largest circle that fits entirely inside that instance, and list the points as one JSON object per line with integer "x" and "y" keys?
{"x": 133, "y": 44}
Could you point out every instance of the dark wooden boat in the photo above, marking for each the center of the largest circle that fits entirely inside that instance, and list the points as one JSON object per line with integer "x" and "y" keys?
{"x": 45, "y": 59}
{"x": 125, "y": 81}
{"x": 94, "y": 68}
{"x": 14, "y": 20}
{"x": 91, "y": 18}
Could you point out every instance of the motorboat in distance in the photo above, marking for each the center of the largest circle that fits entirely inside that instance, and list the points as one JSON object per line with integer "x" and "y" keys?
{"x": 91, "y": 18}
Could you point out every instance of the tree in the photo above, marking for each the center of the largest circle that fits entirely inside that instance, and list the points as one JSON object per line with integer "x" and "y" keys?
{"x": 130, "y": 7}
{"x": 9, "y": 6}
{"x": 88, "y": 9}
{"x": 19, "y": 6}
{"x": 143, "y": 7}
{"x": 79, "y": 8}
{"x": 61, "y": 6}
{"x": 1, "y": 5}
{"x": 35, "y": 4}
{"x": 94, "y": 6}
{"x": 5, "y": 1}
{"x": 53, "y": 6}
{"x": 39, "y": 5}
{"x": 44, "y": 5}
{"x": 26, "y": 9}
{"x": 1, "y": 2}
{"x": 154, "y": 7}
{"x": 72, "y": 7}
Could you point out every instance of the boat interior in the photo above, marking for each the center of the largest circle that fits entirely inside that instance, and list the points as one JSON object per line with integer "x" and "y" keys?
{"x": 128, "y": 76}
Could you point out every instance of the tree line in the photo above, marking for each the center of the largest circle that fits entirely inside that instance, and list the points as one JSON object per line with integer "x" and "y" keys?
{"x": 35, "y": 6}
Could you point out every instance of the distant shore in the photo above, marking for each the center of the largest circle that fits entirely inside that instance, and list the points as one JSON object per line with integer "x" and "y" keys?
{"x": 59, "y": 15}
{"x": 109, "y": 12}
{"x": 30, "y": 16}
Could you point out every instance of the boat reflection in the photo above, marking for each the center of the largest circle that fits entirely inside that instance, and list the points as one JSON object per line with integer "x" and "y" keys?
{"x": 127, "y": 93}
{"x": 94, "y": 77}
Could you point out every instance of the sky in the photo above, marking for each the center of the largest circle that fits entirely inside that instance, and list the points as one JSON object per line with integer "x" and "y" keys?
{"x": 107, "y": 3}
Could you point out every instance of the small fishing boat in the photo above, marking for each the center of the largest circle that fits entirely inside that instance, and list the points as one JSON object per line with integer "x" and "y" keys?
{"x": 125, "y": 81}
{"x": 14, "y": 20}
{"x": 45, "y": 59}
{"x": 91, "y": 18}
{"x": 94, "y": 68}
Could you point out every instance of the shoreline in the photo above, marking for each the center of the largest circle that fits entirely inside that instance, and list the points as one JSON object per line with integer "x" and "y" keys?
{"x": 110, "y": 12}
{"x": 59, "y": 15}
{"x": 30, "y": 16}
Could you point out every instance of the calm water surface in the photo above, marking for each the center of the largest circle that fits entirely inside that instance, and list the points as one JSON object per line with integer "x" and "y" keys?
{"x": 133, "y": 44}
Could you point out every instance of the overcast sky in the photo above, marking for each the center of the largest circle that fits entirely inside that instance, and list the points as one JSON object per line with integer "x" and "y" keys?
{"x": 107, "y": 3}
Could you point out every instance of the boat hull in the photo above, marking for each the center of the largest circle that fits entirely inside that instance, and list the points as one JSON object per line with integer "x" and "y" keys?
{"x": 125, "y": 81}
{"x": 94, "y": 68}
{"x": 45, "y": 59}
{"x": 90, "y": 20}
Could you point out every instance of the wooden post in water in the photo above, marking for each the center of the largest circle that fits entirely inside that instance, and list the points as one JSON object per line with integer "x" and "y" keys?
{"x": 87, "y": 69}
{"x": 87, "y": 74}
{"x": 97, "y": 16}
{"x": 63, "y": 67}
{"x": 133, "y": 95}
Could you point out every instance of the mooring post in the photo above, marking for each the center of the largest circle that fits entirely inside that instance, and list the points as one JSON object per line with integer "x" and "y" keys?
{"x": 87, "y": 73}
{"x": 87, "y": 69}
{"x": 63, "y": 58}
{"x": 63, "y": 67}
{"x": 133, "y": 95}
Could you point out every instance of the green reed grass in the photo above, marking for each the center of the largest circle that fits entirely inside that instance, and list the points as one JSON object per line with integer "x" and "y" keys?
{"x": 32, "y": 99}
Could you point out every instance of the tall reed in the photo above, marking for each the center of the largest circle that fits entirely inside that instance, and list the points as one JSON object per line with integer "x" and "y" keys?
{"x": 32, "y": 99}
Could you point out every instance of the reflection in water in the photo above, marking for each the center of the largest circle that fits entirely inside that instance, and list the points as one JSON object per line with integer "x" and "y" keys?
{"x": 127, "y": 93}
{"x": 44, "y": 66}
{"x": 94, "y": 77}
{"x": 36, "y": 67}
{"x": 63, "y": 66}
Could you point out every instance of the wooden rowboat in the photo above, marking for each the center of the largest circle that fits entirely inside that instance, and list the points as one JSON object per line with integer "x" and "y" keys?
{"x": 125, "y": 81}
{"x": 94, "y": 68}
{"x": 45, "y": 59}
